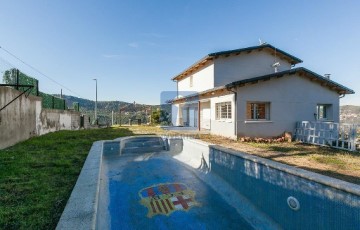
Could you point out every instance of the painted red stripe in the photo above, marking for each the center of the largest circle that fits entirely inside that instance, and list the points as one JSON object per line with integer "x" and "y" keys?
{"x": 182, "y": 201}
{"x": 164, "y": 206}
{"x": 177, "y": 187}
{"x": 169, "y": 205}
{"x": 150, "y": 192}
{"x": 153, "y": 207}
{"x": 158, "y": 206}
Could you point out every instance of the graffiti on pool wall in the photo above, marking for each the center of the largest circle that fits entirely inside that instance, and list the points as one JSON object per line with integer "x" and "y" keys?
{"x": 166, "y": 198}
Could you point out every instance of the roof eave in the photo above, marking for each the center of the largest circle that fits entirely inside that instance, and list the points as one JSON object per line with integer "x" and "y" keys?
{"x": 196, "y": 65}
{"x": 333, "y": 85}
{"x": 292, "y": 59}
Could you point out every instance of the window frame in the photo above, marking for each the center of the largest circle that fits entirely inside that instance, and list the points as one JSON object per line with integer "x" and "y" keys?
{"x": 223, "y": 111}
{"x": 325, "y": 111}
{"x": 254, "y": 112}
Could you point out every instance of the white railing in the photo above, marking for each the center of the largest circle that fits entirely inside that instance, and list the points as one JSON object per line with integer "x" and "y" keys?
{"x": 341, "y": 136}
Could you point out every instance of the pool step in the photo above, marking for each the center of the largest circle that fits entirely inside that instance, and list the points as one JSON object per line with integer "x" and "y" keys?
{"x": 156, "y": 148}
{"x": 143, "y": 145}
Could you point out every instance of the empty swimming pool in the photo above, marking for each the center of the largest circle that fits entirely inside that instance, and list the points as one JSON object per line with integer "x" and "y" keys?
{"x": 158, "y": 183}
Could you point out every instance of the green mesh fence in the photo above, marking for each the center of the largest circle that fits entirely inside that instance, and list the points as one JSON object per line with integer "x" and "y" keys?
{"x": 76, "y": 106}
{"x": 10, "y": 77}
{"x": 16, "y": 78}
{"x": 51, "y": 102}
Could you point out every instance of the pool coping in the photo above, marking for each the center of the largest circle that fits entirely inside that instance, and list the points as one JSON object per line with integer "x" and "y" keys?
{"x": 81, "y": 209}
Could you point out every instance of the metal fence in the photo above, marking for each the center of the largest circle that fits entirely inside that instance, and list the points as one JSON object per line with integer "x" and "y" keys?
{"x": 15, "y": 78}
{"x": 18, "y": 80}
{"x": 335, "y": 135}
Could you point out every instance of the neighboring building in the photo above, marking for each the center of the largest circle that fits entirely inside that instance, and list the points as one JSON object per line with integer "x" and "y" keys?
{"x": 253, "y": 92}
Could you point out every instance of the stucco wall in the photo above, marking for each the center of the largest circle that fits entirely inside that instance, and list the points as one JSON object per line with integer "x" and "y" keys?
{"x": 203, "y": 79}
{"x": 224, "y": 128}
{"x": 25, "y": 118}
{"x": 17, "y": 121}
{"x": 52, "y": 120}
{"x": 175, "y": 114}
{"x": 292, "y": 98}
{"x": 244, "y": 66}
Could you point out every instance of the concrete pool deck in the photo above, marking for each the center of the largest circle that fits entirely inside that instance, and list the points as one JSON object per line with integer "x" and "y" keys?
{"x": 82, "y": 210}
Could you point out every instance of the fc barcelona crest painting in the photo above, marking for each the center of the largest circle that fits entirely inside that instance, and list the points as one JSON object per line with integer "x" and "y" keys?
{"x": 167, "y": 198}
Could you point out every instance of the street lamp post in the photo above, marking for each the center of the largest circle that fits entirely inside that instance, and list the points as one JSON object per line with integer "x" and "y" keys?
{"x": 95, "y": 100}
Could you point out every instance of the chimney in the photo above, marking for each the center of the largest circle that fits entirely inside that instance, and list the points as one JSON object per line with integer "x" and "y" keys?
{"x": 327, "y": 75}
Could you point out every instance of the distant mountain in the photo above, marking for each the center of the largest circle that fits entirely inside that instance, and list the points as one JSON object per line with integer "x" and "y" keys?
{"x": 350, "y": 114}
{"x": 129, "y": 110}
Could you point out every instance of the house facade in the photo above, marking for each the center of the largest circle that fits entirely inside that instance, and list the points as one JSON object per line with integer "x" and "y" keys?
{"x": 254, "y": 91}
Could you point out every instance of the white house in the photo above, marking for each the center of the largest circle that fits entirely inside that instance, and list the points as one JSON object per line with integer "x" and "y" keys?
{"x": 254, "y": 92}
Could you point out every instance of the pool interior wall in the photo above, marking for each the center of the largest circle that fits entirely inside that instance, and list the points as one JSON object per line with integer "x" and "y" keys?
{"x": 251, "y": 192}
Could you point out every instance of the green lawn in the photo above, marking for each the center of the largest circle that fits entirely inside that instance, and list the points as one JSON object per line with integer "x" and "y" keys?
{"x": 38, "y": 175}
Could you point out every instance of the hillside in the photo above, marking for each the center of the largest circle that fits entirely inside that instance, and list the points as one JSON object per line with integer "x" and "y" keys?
{"x": 132, "y": 111}
{"x": 350, "y": 114}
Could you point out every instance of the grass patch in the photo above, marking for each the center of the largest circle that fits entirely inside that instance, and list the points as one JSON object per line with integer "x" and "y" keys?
{"x": 38, "y": 175}
{"x": 331, "y": 160}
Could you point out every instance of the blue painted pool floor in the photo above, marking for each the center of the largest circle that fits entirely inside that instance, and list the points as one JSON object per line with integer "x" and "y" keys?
{"x": 160, "y": 193}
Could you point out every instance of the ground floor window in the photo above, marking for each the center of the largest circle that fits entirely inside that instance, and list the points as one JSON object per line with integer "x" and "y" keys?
{"x": 258, "y": 111}
{"x": 323, "y": 112}
{"x": 223, "y": 110}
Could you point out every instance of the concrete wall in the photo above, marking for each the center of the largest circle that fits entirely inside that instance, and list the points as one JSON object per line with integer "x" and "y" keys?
{"x": 224, "y": 128}
{"x": 25, "y": 118}
{"x": 203, "y": 79}
{"x": 292, "y": 98}
{"x": 17, "y": 121}
{"x": 86, "y": 121}
{"x": 52, "y": 120}
{"x": 244, "y": 66}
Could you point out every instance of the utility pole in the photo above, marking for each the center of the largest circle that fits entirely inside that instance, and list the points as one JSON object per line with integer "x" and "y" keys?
{"x": 96, "y": 122}
{"x": 112, "y": 118}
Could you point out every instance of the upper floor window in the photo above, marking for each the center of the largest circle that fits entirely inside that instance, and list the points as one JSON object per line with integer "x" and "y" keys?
{"x": 223, "y": 110}
{"x": 258, "y": 110}
{"x": 191, "y": 81}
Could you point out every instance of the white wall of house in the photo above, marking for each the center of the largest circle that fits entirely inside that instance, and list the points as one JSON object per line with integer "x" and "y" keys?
{"x": 203, "y": 79}
{"x": 205, "y": 115}
{"x": 224, "y": 128}
{"x": 176, "y": 118}
{"x": 246, "y": 65}
{"x": 292, "y": 98}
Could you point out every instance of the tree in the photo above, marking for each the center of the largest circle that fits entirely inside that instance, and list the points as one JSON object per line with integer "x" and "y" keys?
{"x": 160, "y": 117}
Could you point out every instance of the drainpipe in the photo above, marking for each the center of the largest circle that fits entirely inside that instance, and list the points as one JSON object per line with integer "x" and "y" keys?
{"x": 199, "y": 116}
{"x": 235, "y": 93}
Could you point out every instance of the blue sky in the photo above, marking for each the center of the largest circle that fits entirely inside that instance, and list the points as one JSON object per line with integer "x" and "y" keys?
{"x": 135, "y": 47}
